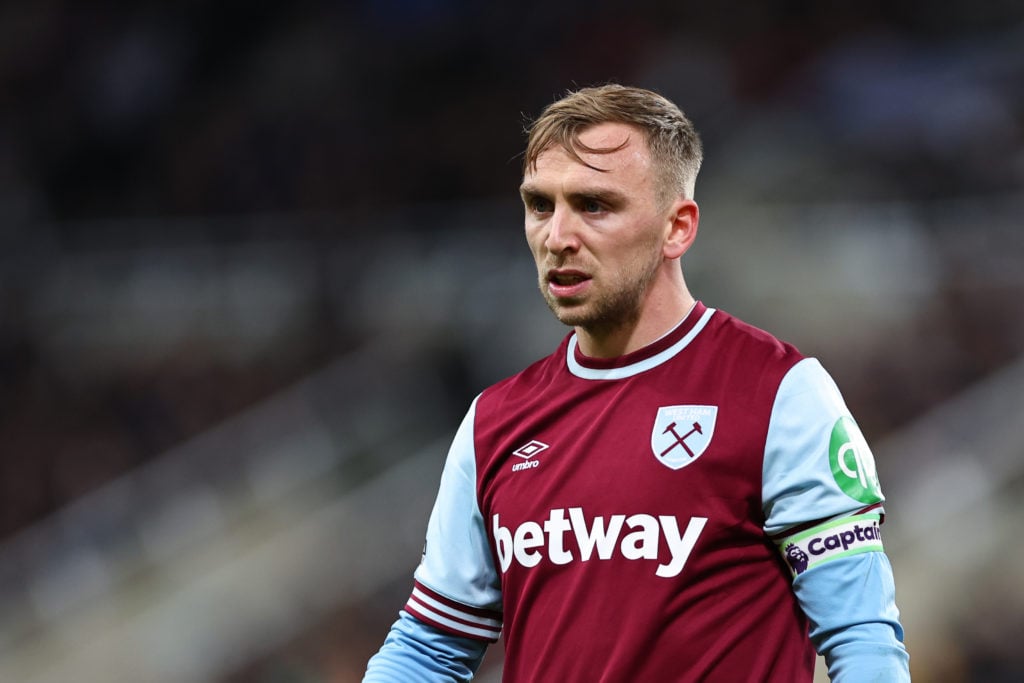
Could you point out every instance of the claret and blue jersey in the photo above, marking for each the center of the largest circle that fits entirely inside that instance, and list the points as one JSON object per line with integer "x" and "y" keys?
{"x": 685, "y": 512}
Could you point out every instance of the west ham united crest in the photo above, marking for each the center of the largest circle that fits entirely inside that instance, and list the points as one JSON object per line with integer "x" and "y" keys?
{"x": 682, "y": 433}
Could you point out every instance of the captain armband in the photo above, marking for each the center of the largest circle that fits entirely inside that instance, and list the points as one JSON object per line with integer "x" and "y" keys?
{"x": 833, "y": 539}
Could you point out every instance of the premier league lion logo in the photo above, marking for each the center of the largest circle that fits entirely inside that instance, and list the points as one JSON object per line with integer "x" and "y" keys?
{"x": 797, "y": 558}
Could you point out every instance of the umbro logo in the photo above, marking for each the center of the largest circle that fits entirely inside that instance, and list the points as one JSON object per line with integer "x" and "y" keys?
{"x": 527, "y": 451}
{"x": 530, "y": 449}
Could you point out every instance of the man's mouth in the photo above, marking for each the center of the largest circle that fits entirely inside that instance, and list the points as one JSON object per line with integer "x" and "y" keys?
{"x": 567, "y": 283}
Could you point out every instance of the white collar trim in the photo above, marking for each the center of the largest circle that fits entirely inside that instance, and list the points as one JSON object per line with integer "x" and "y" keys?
{"x": 640, "y": 366}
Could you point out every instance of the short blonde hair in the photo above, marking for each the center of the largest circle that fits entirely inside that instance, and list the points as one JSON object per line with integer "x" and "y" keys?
{"x": 672, "y": 140}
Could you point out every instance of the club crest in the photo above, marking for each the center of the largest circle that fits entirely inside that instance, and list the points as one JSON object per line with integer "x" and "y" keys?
{"x": 682, "y": 433}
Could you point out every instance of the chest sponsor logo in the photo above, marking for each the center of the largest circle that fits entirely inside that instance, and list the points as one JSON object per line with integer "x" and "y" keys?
{"x": 681, "y": 434}
{"x": 853, "y": 466}
{"x": 564, "y": 538}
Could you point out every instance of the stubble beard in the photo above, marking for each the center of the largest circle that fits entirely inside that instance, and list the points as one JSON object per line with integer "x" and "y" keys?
{"x": 608, "y": 311}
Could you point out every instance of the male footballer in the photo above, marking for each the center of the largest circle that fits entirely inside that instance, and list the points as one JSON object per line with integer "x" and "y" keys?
{"x": 673, "y": 495}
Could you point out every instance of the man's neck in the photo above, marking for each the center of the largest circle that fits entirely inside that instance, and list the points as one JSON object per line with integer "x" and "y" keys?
{"x": 650, "y": 326}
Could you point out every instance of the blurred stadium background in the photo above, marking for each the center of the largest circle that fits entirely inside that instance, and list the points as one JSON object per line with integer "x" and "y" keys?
{"x": 256, "y": 258}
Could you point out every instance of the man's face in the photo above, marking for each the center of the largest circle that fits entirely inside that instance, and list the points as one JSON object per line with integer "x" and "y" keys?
{"x": 596, "y": 236}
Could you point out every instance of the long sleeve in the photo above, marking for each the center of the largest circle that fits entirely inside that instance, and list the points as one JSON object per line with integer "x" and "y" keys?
{"x": 855, "y": 625}
{"x": 823, "y": 505}
{"x": 454, "y": 610}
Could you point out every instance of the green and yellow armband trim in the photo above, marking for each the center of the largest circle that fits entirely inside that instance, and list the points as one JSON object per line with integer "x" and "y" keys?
{"x": 836, "y": 538}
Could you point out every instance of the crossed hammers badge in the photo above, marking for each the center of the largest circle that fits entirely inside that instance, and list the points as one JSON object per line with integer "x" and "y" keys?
{"x": 682, "y": 433}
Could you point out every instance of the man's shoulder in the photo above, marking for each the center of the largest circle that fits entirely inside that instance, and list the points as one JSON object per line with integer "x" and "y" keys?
{"x": 540, "y": 372}
{"x": 530, "y": 390}
{"x": 750, "y": 340}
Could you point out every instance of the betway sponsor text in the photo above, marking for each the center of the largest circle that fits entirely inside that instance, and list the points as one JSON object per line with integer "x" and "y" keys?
{"x": 562, "y": 539}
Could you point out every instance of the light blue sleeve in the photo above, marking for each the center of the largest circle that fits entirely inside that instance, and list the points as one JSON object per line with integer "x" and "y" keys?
{"x": 817, "y": 464}
{"x": 457, "y": 560}
{"x": 454, "y": 610}
{"x": 851, "y": 604}
{"x": 822, "y": 502}
{"x": 415, "y": 652}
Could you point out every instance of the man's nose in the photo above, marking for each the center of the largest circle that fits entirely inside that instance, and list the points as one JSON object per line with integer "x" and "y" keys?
{"x": 563, "y": 232}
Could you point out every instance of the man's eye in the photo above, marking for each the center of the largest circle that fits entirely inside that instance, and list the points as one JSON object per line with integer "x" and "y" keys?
{"x": 592, "y": 206}
{"x": 540, "y": 206}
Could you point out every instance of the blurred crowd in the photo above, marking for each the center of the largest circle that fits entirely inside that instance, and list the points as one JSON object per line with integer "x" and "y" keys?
{"x": 134, "y": 128}
{"x": 198, "y": 107}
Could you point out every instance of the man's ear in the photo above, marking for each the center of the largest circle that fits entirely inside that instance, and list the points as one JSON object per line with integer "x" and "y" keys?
{"x": 682, "y": 230}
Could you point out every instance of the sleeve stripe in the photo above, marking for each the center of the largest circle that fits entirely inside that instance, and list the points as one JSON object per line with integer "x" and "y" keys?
{"x": 452, "y": 616}
{"x": 424, "y": 601}
{"x": 449, "y": 605}
{"x": 440, "y": 621}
